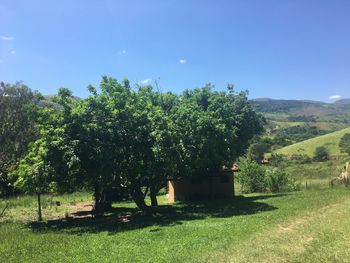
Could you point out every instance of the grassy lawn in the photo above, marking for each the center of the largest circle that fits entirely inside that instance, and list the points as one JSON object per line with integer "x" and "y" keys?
{"x": 23, "y": 208}
{"x": 298, "y": 227}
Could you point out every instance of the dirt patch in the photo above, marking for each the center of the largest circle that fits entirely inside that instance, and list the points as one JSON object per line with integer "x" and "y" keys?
{"x": 76, "y": 210}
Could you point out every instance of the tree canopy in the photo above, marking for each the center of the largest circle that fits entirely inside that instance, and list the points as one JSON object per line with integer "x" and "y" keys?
{"x": 17, "y": 128}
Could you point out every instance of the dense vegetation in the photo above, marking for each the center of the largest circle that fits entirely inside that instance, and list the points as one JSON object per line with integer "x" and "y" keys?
{"x": 254, "y": 177}
{"x": 17, "y": 129}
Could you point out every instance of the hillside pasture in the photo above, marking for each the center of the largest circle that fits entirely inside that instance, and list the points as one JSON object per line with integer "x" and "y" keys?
{"x": 308, "y": 147}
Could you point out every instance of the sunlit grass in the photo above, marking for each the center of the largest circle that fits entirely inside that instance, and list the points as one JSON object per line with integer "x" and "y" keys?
{"x": 217, "y": 230}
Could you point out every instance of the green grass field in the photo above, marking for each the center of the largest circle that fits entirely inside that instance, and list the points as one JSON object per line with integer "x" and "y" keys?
{"x": 305, "y": 226}
{"x": 330, "y": 141}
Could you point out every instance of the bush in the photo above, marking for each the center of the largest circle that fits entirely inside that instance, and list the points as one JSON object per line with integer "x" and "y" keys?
{"x": 255, "y": 178}
{"x": 278, "y": 180}
{"x": 251, "y": 176}
{"x": 321, "y": 154}
{"x": 276, "y": 159}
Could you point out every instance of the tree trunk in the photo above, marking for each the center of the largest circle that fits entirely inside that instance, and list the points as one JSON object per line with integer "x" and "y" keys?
{"x": 40, "y": 217}
{"x": 137, "y": 196}
{"x": 101, "y": 202}
{"x": 153, "y": 195}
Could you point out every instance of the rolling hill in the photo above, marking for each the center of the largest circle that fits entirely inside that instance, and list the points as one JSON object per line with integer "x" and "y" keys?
{"x": 330, "y": 141}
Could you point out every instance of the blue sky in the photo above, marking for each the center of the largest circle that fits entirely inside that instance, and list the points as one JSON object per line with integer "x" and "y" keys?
{"x": 274, "y": 48}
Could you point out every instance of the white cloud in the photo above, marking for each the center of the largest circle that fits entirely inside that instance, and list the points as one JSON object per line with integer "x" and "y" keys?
{"x": 7, "y": 38}
{"x": 146, "y": 81}
{"x": 183, "y": 61}
{"x": 122, "y": 52}
{"x": 335, "y": 97}
{"x": 13, "y": 52}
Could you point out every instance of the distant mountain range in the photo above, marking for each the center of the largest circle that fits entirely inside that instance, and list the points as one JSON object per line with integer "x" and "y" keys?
{"x": 343, "y": 102}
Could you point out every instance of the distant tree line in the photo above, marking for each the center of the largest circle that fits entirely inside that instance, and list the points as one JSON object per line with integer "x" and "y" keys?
{"x": 119, "y": 139}
{"x": 281, "y": 106}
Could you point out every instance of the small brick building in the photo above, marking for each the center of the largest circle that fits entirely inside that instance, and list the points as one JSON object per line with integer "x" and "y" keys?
{"x": 218, "y": 185}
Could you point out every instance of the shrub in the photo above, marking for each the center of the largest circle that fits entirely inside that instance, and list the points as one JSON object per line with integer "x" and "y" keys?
{"x": 321, "y": 154}
{"x": 254, "y": 177}
{"x": 276, "y": 159}
{"x": 278, "y": 180}
{"x": 251, "y": 176}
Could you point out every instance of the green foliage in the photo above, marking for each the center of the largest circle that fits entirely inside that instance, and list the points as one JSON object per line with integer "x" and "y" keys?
{"x": 321, "y": 154}
{"x": 276, "y": 159}
{"x": 300, "y": 132}
{"x": 254, "y": 177}
{"x": 344, "y": 143}
{"x": 277, "y": 180}
{"x": 251, "y": 176}
{"x": 257, "y": 150}
{"x": 17, "y": 128}
{"x": 215, "y": 128}
{"x": 33, "y": 173}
